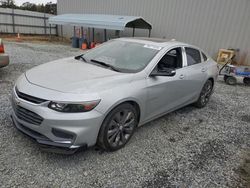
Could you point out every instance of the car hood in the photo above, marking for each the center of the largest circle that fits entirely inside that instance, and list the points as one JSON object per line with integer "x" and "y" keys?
{"x": 75, "y": 76}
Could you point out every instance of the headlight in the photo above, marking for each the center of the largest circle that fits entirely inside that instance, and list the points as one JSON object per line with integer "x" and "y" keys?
{"x": 73, "y": 108}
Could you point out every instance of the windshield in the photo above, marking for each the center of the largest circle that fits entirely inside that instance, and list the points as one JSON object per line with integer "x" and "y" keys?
{"x": 122, "y": 55}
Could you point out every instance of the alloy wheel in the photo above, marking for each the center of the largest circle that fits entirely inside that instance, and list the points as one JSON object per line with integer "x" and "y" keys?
{"x": 206, "y": 93}
{"x": 121, "y": 128}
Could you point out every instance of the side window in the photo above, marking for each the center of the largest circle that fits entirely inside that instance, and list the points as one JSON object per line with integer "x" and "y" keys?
{"x": 171, "y": 60}
{"x": 193, "y": 56}
{"x": 204, "y": 56}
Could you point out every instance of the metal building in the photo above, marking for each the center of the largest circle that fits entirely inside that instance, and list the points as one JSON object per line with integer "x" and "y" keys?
{"x": 209, "y": 24}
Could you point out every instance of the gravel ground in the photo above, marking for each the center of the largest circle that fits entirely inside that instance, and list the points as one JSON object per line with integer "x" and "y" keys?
{"x": 187, "y": 148}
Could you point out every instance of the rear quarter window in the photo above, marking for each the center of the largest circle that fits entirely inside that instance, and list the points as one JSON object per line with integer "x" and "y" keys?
{"x": 193, "y": 56}
{"x": 204, "y": 56}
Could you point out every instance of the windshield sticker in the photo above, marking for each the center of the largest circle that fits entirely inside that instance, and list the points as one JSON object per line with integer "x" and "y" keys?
{"x": 152, "y": 47}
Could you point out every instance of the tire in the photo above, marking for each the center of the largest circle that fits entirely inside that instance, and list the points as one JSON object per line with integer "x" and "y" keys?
{"x": 205, "y": 94}
{"x": 225, "y": 77}
{"x": 118, "y": 127}
{"x": 246, "y": 81}
{"x": 231, "y": 80}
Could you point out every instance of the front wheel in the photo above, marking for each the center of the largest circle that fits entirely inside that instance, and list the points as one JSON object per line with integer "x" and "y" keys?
{"x": 118, "y": 127}
{"x": 205, "y": 94}
{"x": 225, "y": 78}
{"x": 246, "y": 81}
{"x": 231, "y": 80}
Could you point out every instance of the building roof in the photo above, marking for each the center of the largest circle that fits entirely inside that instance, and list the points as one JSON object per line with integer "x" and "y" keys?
{"x": 101, "y": 21}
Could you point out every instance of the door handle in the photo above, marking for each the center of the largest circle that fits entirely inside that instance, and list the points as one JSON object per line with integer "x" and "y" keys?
{"x": 181, "y": 76}
{"x": 203, "y": 70}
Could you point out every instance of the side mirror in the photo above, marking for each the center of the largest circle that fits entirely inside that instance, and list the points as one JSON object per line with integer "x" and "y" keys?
{"x": 163, "y": 72}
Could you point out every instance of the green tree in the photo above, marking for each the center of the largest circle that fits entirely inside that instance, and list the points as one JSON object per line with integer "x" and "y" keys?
{"x": 7, "y": 4}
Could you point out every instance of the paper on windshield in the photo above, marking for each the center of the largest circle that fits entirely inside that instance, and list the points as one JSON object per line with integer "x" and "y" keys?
{"x": 152, "y": 47}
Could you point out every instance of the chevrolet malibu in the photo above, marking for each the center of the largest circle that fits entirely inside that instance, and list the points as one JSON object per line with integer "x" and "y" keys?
{"x": 100, "y": 97}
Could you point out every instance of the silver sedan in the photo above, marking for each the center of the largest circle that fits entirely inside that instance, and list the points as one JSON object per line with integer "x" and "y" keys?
{"x": 100, "y": 97}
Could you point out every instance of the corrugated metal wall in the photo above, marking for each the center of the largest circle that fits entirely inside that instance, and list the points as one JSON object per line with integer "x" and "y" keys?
{"x": 6, "y": 22}
{"x": 209, "y": 24}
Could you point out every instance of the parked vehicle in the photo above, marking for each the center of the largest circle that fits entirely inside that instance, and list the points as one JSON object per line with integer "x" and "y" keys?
{"x": 101, "y": 97}
{"x": 4, "y": 58}
{"x": 231, "y": 72}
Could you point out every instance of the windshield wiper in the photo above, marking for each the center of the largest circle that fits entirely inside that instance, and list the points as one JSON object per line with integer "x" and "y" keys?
{"x": 80, "y": 57}
{"x": 105, "y": 64}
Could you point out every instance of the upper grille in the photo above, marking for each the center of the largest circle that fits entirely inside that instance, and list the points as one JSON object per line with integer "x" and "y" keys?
{"x": 29, "y": 98}
{"x": 27, "y": 115}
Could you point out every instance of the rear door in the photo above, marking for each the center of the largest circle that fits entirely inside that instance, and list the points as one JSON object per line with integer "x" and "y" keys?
{"x": 195, "y": 72}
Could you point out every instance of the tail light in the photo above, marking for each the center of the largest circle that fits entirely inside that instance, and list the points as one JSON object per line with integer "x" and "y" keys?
{"x": 1, "y": 47}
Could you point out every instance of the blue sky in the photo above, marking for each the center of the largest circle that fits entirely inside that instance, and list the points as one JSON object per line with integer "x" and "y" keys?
{"x": 20, "y": 2}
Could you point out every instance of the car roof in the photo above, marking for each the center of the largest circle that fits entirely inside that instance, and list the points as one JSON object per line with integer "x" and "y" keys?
{"x": 159, "y": 42}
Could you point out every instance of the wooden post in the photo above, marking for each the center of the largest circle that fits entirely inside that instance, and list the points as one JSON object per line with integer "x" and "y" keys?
{"x": 133, "y": 32}
{"x": 45, "y": 27}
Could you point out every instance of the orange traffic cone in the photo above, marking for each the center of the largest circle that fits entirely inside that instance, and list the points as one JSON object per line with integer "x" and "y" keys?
{"x": 18, "y": 37}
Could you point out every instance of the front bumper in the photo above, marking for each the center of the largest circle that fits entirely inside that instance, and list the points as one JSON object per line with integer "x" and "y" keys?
{"x": 4, "y": 60}
{"x": 56, "y": 129}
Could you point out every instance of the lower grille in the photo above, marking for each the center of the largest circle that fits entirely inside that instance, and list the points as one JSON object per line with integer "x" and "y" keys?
{"x": 27, "y": 115}
{"x": 33, "y": 133}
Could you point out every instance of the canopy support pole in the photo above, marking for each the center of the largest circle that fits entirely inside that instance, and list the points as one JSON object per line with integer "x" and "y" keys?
{"x": 133, "y": 32}
{"x": 93, "y": 33}
{"x": 82, "y": 31}
{"x": 62, "y": 32}
{"x": 117, "y": 33}
{"x": 74, "y": 31}
{"x": 149, "y": 33}
{"x": 105, "y": 35}
{"x": 89, "y": 39}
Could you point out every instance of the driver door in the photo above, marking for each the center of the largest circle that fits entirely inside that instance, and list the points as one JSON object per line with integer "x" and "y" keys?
{"x": 166, "y": 93}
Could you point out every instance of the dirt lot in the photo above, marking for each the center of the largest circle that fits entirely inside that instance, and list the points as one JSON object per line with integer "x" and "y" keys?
{"x": 188, "y": 148}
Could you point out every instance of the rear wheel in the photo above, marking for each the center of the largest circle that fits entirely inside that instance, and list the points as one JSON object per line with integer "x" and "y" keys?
{"x": 231, "y": 80}
{"x": 246, "y": 81}
{"x": 205, "y": 94}
{"x": 118, "y": 127}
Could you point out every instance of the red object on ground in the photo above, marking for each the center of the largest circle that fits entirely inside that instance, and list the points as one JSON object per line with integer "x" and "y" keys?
{"x": 1, "y": 48}
{"x": 92, "y": 45}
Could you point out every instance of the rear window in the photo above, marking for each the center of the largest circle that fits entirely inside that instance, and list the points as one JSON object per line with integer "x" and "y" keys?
{"x": 193, "y": 56}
